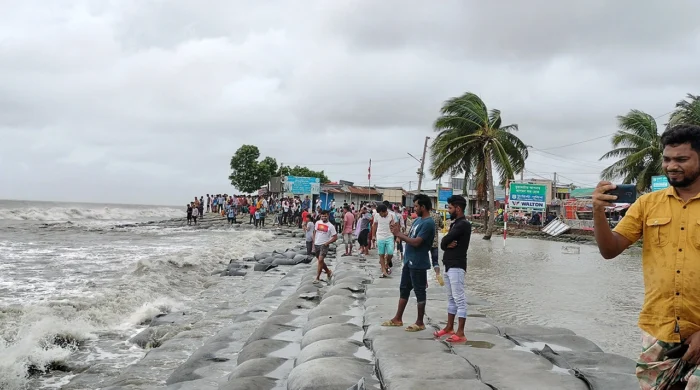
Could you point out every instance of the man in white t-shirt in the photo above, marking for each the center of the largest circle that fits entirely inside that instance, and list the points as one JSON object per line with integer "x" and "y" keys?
{"x": 381, "y": 232}
{"x": 324, "y": 235}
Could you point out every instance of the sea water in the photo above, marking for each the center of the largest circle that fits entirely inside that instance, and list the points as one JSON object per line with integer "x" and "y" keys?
{"x": 75, "y": 284}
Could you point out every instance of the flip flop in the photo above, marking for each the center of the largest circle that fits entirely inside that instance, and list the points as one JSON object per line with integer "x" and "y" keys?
{"x": 391, "y": 323}
{"x": 442, "y": 333}
{"x": 454, "y": 339}
{"x": 414, "y": 328}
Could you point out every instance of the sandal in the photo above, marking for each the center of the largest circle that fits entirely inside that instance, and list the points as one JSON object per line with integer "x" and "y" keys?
{"x": 442, "y": 333}
{"x": 454, "y": 339}
{"x": 392, "y": 323}
{"x": 414, "y": 328}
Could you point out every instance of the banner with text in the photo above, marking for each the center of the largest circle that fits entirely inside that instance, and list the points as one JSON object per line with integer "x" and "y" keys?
{"x": 527, "y": 196}
{"x": 302, "y": 185}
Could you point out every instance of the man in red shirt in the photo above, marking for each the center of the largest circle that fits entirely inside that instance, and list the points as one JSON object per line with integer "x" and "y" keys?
{"x": 304, "y": 214}
{"x": 348, "y": 222}
{"x": 252, "y": 210}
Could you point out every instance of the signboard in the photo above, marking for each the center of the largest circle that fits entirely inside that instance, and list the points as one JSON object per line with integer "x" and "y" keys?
{"x": 443, "y": 195}
{"x": 302, "y": 185}
{"x": 528, "y": 196}
{"x": 659, "y": 183}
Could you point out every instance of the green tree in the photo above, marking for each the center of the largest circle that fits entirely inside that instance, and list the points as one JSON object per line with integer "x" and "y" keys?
{"x": 473, "y": 140}
{"x": 247, "y": 174}
{"x": 302, "y": 172}
{"x": 687, "y": 111}
{"x": 637, "y": 145}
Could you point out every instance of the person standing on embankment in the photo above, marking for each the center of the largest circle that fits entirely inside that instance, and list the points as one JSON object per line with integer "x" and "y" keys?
{"x": 669, "y": 220}
{"x": 416, "y": 263}
{"x": 455, "y": 245}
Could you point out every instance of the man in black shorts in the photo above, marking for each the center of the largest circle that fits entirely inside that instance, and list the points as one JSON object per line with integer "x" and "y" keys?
{"x": 365, "y": 222}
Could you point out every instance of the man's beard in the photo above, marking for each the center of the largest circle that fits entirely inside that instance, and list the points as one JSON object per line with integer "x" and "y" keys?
{"x": 688, "y": 179}
{"x": 453, "y": 216}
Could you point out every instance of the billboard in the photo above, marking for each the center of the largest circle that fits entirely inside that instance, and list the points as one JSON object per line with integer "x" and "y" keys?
{"x": 302, "y": 185}
{"x": 528, "y": 196}
{"x": 443, "y": 195}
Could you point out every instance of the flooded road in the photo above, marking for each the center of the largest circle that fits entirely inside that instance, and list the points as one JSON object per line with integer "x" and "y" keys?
{"x": 560, "y": 284}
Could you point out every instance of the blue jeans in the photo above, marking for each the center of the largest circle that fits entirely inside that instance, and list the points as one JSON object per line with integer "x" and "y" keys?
{"x": 456, "y": 297}
{"x": 413, "y": 279}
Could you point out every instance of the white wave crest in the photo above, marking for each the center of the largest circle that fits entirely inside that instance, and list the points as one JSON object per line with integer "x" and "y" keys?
{"x": 71, "y": 214}
{"x": 37, "y": 347}
{"x": 148, "y": 310}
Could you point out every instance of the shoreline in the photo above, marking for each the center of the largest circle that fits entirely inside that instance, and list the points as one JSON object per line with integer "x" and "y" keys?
{"x": 289, "y": 339}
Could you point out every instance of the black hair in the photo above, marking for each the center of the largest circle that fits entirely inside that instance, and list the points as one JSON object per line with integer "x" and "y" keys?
{"x": 324, "y": 212}
{"x": 458, "y": 201}
{"x": 682, "y": 134}
{"x": 423, "y": 200}
{"x": 387, "y": 203}
{"x": 381, "y": 208}
{"x": 346, "y": 207}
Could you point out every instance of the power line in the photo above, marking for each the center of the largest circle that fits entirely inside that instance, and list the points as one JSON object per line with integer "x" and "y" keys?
{"x": 579, "y": 142}
{"x": 574, "y": 181}
{"x": 568, "y": 159}
{"x": 596, "y": 138}
{"x": 349, "y": 163}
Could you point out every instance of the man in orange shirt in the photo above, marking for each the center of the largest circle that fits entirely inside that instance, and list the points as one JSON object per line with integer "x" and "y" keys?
{"x": 669, "y": 220}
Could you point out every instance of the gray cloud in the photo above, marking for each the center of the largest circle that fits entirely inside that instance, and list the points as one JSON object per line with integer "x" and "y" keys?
{"x": 145, "y": 101}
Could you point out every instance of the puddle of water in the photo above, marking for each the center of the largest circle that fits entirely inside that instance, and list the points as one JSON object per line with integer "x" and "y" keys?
{"x": 297, "y": 322}
{"x": 364, "y": 353}
{"x": 540, "y": 346}
{"x": 282, "y": 371}
{"x": 291, "y": 351}
{"x": 359, "y": 321}
{"x": 480, "y": 344}
{"x": 560, "y": 370}
{"x": 355, "y": 311}
{"x": 293, "y": 335}
{"x": 358, "y": 336}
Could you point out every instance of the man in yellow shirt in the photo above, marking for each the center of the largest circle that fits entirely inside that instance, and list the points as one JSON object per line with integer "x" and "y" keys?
{"x": 669, "y": 221}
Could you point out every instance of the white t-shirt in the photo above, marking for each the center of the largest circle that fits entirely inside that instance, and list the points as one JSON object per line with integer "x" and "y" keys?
{"x": 384, "y": 225}
{"x": 324, "y": 232}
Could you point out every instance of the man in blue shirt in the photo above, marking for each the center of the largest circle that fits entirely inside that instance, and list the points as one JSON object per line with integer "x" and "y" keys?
{"x": 416, "y": 262}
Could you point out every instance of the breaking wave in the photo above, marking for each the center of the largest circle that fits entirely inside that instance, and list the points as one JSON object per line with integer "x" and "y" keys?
{"x": 66, "y": 214}
{"x": 39, "y": 336}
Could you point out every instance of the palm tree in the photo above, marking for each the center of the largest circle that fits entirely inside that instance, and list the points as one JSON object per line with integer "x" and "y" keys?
{"x": 687, "y": 111}
{"x": 637, "y": 144}
{"x": 473, "y": 140}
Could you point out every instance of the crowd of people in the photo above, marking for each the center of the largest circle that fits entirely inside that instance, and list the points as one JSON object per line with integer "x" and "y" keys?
{"x": 411, "y": 234}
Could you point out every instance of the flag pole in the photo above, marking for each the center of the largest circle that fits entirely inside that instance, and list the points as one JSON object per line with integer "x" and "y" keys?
{"x": 369, "y": 180}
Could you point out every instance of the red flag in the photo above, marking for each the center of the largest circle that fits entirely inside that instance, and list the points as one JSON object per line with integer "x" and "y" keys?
{"x": 369, "y": 170}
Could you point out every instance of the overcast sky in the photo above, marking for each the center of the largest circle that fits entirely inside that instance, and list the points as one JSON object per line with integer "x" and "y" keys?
{"x": 139, "y": 101}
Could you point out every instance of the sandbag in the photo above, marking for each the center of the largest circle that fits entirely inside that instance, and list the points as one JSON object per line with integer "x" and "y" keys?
{"x": 267, "y": 260}
{"x": 289, "y": 255}
{"x": 264, "y": 267}
{"x": 260, "y": 256}
{"x": 284, "y": 262}
{"x": 236, "y": 272}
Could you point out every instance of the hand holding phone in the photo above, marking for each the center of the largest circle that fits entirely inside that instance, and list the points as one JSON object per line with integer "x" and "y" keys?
{"x": 625, "y": 193}
{"x": 676, "y": 352}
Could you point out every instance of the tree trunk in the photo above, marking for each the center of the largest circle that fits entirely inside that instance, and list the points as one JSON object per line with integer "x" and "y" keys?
{"x": 492, "y": 197}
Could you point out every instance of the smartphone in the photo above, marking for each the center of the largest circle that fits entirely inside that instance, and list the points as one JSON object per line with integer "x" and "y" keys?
{"x": 626, "y": 193}
{"x": 676, "y": 352}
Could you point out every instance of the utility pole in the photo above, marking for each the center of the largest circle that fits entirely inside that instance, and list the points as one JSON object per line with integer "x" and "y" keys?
{"x": 554, "y": 187}
{"x": 422, "y": 164}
